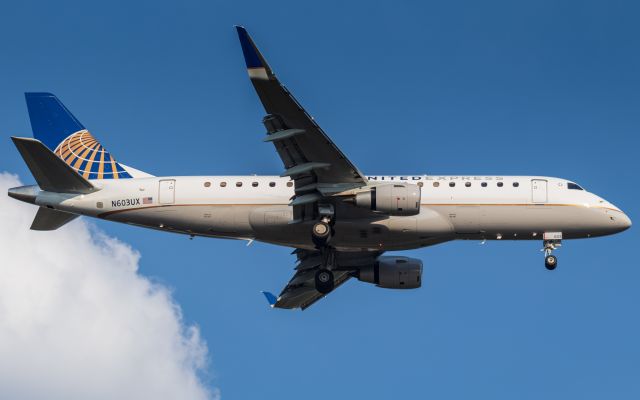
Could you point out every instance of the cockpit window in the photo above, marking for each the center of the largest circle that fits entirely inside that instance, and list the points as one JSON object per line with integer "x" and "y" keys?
{"x": 574, "y": 186}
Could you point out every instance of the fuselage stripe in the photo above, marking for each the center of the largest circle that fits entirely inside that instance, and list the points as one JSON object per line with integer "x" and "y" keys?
{"x": 105, "y": 214}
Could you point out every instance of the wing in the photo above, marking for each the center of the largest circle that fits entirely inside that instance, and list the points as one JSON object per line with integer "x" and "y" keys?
{"x": 300, "y": 292}
{"x": 310, "y": 158}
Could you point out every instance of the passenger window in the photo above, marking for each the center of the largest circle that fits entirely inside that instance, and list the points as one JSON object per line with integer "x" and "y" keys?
{"x": 272, "y": 184}
{"x": 483, "y": 184}
{"x": 574, "y": 186}
{"x": 468, "y": 184}
{"x": 516, "y": 184}
{"x": 254, "y": 184}
{"x": 500, "y": 184}
{"x": 207, "y": 184}
{"x": 436, "y": 184}
{"x": 238, "y": 184}
{"x": 289, "y": 184}
{"x": 223, "y": 184}
{"x": 452, "y": 184}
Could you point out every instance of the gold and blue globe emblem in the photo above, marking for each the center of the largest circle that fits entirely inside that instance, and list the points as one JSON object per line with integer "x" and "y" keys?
{"x": 87, "y": 156}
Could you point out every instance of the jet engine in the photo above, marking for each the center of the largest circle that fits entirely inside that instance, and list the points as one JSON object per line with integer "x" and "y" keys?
{"x": 391, "y": 199}
{"x": 393, "y": 273}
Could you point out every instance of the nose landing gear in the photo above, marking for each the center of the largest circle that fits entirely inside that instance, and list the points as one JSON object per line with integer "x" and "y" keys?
{"x": 550, "y": 262}
{"x": 552, "y": 241}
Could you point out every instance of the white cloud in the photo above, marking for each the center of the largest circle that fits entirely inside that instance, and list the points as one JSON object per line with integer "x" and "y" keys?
{"x": 78, "y": 322}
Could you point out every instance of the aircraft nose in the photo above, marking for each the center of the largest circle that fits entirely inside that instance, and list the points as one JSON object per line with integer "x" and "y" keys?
{"x": 618, "y": 221}
{"x": 624, "y": 222}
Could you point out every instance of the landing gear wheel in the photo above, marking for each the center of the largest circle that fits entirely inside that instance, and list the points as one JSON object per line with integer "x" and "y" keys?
{"x": 321, "y": 233}
{"x": 552, "y": 240}
{"x": 324, "y": 281}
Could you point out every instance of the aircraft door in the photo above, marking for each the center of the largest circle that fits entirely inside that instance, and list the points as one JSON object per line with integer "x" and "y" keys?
{"x": 167, "y": 192}
{"x": 538, "y": 191}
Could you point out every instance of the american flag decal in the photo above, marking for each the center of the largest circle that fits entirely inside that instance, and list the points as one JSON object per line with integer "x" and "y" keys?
{"x": 147, "y": 200}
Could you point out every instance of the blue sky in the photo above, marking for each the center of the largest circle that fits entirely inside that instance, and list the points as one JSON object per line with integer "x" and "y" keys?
{"x": 460, "y": 87}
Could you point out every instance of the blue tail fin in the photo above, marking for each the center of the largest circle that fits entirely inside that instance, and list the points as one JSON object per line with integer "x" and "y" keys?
{"x": 61, "y": 132}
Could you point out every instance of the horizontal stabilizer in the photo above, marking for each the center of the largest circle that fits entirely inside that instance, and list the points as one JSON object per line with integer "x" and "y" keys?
{"x": 51, "y": 172}
{"x": 49, "y": 220}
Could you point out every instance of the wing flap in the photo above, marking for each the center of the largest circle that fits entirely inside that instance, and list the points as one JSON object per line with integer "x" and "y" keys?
{"x": 281, "y": 135}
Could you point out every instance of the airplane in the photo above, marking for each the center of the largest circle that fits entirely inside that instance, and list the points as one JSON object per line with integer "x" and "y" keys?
{"x": 339, "y": 221}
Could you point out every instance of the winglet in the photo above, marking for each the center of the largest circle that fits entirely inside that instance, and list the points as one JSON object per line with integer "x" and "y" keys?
{"x": 270, "y": 298}
{"x": 256, "y": 64}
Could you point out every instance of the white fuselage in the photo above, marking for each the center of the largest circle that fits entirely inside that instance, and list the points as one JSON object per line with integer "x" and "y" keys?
{"x": 257, "y": 207}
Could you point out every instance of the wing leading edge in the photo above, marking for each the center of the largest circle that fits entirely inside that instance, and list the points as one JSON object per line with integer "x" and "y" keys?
{"x": 310, "y": 157}
{"x": 318, "y": 168}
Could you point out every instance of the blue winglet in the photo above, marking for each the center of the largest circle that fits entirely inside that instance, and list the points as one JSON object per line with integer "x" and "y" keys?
{"x": 251, "y": 56}
{"x": 270, "y": 298}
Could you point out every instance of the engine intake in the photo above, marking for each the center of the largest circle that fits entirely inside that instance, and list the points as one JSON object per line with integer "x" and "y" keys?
{"x": 393, "y": 273}
{"x": 391, "y": 199}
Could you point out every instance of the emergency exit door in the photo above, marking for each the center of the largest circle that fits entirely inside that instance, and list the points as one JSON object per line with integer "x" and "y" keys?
{"x": 167, "y": 193}
{"x": 538, "y": 191}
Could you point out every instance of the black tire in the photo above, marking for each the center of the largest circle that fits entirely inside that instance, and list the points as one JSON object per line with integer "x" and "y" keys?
{"x": 550, "y": 262}
{"x": 321, "y": 233}
{"x": 324, "y": 281}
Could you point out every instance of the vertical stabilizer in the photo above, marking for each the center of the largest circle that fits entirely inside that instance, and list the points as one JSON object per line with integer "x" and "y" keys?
{"x": 55, "y": 126}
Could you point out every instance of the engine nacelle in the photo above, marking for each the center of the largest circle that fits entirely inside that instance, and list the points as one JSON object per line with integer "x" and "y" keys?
{"x": 391, "y": 199}
{"x": 393, "y": 273}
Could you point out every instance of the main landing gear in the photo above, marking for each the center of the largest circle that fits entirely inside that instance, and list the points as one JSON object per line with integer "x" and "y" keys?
{"x": 324, "y": 281}
{"x": 321, "y": 234}
{"x": 550, "y": 244}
